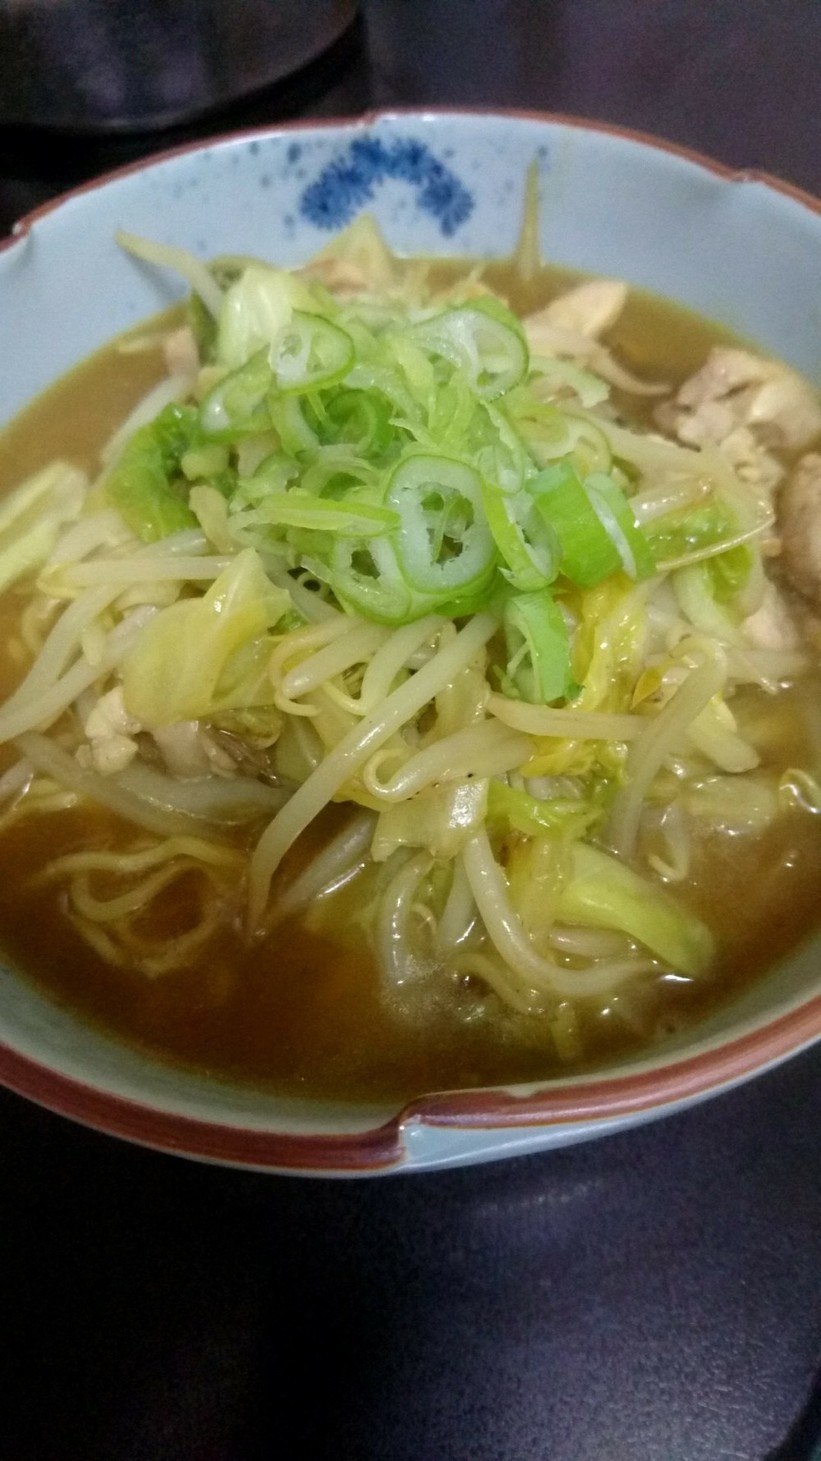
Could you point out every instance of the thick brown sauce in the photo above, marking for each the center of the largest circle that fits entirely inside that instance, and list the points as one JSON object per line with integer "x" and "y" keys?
{"x": 301, "y": 1013}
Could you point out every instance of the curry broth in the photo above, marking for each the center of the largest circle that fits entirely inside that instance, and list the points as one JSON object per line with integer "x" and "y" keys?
{"x": 300, "y": 1012}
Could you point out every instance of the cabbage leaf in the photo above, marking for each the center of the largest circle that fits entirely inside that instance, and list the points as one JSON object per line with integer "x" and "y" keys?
{"x": 606, "y": 893}
{"x": 202, "y": 656}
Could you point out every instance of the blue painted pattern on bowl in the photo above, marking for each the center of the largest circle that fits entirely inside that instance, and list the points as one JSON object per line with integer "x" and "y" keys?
{"x": 349, "y": 182}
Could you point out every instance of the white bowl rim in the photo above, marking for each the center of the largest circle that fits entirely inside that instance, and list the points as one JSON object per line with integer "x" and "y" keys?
{"x": 373, "y": 117}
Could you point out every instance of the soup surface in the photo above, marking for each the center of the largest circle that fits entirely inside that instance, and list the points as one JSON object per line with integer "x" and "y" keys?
{"x": 307, "y": 1008}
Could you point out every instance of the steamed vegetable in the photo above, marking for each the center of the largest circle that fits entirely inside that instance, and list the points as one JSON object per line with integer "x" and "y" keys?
{"x": 421, "y": 428}
{"x": 605, "y": 893}
{"x": 204, "y": 655}
{"x": 377, "y": 546}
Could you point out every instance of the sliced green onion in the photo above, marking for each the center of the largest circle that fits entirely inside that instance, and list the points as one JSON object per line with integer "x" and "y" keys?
{"x": 309, "y": 352}
{"x": 384, "y": 378}
{"x": 287, "y": 415}
{"x": 366, "y": 577}
{"x": 360, "y": 418}
{"x": 551, "y": 434}
{"x": 590, "y": 389}
{"x": 275, "y": 473}
{"x": 615, "y": 514}
{"x": 444, "y": 546}
{"x": 526, "y": 541}
{"x": 588, "y": 552}
{"x": 452, "y": 416}
{"x": 235, "y": 405}
{"x": 335, "y": 471}
{"x": 418, "y": 371}
{"x": 538, "y": 648}
{"x": 349, "y": 518}
{"x": 503, "y": 459}
{"x": 482, "y": 338}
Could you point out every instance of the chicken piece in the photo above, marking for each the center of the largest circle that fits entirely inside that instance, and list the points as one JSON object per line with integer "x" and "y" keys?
{"x": 475, "y": 288}
{"x": 110, "y": 731}
{"x": 589, "y": 309}
{"x": 724, "y": 371}
{"x": 569, "y": 328}
{"x": 751, "y": 462}
{"x": 714, "y": 424}
{"x": 344, "y": 277}
{"x": 799, "y": 512}
{"x": 745, "y": 405}
{"x": 358, "y": 261}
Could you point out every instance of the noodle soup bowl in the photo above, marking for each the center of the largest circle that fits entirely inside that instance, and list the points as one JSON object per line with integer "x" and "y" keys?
{"x": 743, "y": 250}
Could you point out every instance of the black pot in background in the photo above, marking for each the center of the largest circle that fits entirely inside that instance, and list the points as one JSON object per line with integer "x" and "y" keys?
{"x": 133, "y": 65}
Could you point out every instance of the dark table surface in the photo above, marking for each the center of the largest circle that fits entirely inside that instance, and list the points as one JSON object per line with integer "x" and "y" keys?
{"x": 654, "y": 1296}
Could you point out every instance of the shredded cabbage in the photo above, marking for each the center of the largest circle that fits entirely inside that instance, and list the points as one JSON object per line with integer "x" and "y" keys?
{"x": 205, "y": 655}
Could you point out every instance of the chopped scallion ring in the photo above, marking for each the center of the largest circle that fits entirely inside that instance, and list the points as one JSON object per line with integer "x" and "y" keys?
{"x": 234, "y": 407}
{"x": 444, "y": 546}
{"x": 538, "y": 648}
{"x": 482, "y": 338}
{"x": 588, "y": 553}
{"x": 613, "y": 510}
{"x": 310, "y": 351}
{"x": 350, "y": 518}
{"x": 526, "y": 541}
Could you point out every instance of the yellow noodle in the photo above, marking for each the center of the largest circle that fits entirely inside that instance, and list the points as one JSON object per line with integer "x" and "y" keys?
{"x": 135, "y": 900}
{"x": 302, "y": 642}
{"x": 155, "y": 958}
{"x": 122, "y": 864}
{"x": 99, "y": 940}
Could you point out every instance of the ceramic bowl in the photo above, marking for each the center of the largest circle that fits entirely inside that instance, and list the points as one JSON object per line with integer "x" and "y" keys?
{"x": 741, "y": 248}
